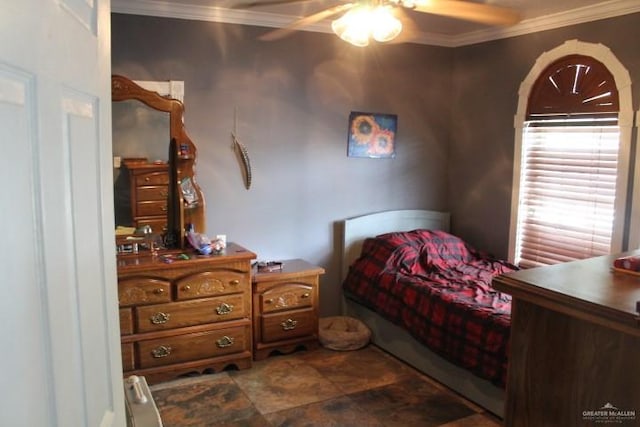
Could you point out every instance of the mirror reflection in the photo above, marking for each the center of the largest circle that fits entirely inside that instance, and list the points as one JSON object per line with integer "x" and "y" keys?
{"x": 155, "y": 186}
{"x": 140, "y": 131}
{"x": 140, "y": 137}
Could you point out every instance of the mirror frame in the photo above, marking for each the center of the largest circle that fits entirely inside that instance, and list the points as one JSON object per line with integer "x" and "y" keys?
{"x": 182, "y": 160}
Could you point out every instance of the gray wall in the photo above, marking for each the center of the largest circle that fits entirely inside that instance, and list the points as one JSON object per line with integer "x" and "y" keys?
{"x": 486, "y": 80}
{"x": 293, "y": 98}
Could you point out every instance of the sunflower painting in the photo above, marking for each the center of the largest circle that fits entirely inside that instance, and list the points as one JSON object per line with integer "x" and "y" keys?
{"x": 372, "y": 135}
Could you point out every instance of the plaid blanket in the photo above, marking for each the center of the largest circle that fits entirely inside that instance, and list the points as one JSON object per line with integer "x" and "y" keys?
{"x": 438, "y": 288}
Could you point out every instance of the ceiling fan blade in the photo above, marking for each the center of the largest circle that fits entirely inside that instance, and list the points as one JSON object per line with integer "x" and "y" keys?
{"x": 410, "y": 29}
{"x": 468, "y": 11}
{"x": 251, "y": 4}
{"x": 307, "y": 20}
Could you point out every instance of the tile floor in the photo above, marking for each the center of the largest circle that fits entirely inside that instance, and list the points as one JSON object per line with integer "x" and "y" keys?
{"x": 320, "y": 388}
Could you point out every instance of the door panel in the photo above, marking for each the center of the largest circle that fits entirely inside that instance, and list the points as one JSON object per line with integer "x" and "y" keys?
{"x": 59, "y": 315}
{"x": 22, "y": 325}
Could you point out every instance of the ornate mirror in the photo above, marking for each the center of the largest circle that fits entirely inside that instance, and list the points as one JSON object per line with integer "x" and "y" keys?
{"x": 155, "y": 183}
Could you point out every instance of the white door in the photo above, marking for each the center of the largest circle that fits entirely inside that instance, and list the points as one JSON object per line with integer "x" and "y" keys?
{"x": 60, "y": 355}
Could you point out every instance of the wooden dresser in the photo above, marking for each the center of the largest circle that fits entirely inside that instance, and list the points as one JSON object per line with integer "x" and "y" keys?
{"x": 185, "y": 316}
{"x": 575, "y": 345}
{"x": 149, "y": 188}
{"x": 285, "y": 308}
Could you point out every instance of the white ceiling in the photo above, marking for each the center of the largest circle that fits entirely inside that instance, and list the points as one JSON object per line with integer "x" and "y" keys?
{"x": 537, "y": 15}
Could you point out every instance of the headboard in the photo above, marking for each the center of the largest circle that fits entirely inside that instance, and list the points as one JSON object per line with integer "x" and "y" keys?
{"x": 355, "y": 230}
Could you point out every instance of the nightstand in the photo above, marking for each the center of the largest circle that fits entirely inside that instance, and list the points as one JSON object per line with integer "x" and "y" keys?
{"x": 285, "y": 308}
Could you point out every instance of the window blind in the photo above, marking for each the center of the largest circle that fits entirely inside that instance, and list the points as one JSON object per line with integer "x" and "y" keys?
{"x": 567, "y": 194}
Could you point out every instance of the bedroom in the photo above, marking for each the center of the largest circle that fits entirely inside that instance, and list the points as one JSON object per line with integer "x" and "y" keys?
{"x": 455, "y": 133}
{"x": 455, "y": 109}
{"x": 299, "y": 163}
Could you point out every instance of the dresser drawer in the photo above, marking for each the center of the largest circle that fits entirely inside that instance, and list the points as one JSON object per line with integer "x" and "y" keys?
{"x": 290, "y": 324}
{"x": 218, "y": 282}
{"x": 188, "y": 347}
{"x": 126, "y": 321}
{"x": 143, "y": 290}
{"x": 152, "y": 178}
{"x": 152, "y": 192}
{"x": 157, "y": 224}
{"x": 189, "y": 313}
{"x": 150, "y": 208}
{"x": 286, "y": 296}
{"x": 128, "y": 361}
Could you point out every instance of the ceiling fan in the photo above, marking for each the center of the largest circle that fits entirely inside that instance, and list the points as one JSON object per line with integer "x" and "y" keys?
{"x": 383, "y": 20}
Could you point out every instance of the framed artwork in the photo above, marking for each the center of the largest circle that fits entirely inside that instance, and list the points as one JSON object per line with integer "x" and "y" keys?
{"x": 372, "y": 135}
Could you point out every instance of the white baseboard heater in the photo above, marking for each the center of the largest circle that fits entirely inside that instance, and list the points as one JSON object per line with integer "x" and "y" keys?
{"x": 139, "y": 404}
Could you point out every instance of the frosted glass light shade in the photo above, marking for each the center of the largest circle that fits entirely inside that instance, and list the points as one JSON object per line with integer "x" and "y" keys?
{"x": 353, "y": 26}
{"x": 384, "y": 26}
{"x": 362, "y": 22}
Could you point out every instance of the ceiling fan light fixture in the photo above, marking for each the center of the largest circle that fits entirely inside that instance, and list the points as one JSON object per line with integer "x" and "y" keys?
{"x": 355, "y": 38}
{"x": 353, "y": 26}
{"x": 384, "y": 26}
{"x": 363, "y": 22}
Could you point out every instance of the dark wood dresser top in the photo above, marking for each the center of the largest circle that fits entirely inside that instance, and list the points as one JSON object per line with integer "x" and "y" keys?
{"x": 587, "y": 289}
{"x": 144, "y": 261}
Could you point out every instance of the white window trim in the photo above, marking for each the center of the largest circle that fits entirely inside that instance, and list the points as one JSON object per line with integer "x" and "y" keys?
{"x": 625, "y": 122}
{"x": 634, "y": 221}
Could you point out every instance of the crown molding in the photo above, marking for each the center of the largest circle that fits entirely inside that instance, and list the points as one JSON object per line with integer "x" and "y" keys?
{"x": 168, "y": 9}
{"x": 581, "y": 15}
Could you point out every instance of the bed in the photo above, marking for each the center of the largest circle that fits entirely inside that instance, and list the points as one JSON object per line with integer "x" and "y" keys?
{"x": 404, "y": 234}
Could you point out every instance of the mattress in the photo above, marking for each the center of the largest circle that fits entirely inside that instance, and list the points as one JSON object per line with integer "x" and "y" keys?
{"x": 438, "y": 288}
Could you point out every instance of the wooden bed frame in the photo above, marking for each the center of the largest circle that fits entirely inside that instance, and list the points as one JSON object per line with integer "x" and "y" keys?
{"x": 394, "y": 339}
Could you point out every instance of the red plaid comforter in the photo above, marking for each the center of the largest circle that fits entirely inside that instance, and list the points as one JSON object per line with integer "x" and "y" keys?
{"x": 438, "y": 288}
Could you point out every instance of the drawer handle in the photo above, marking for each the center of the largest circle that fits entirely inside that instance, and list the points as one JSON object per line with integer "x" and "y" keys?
{"x": 158, "y": 291}
{"x": 164, "y": 193}
{"x": 224, "y": 308}
{"x": 225, "y": 341}
{"x": 162, "y": 351}
{"x": 160, "y": 318}
{"x": 305, "y": 295}
{"x": 234, "y": 282}
{"x": 289, "y": 324}
{"x": 163, "y": 209}
{"x": 147, "y": 179}
{"x": 269, "y": 301}
{"x": 186, "y": 288}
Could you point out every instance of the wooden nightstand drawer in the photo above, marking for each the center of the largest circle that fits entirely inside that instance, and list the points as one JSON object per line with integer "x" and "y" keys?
{"x": 152, "y": 178}
{"x": 211, "y": 283}
{"x": 126, "y": 321}
{"x": 201, "y": 345}
{"x": 286, "y": 297}
{"x": 143, "y": 290}
{"x": 128, "y": 361}
{"x": 189, "y": 313}
{"x": 290, "y": 324}
{"x": 152, "y": 193}
{"x": 150, "y": 208}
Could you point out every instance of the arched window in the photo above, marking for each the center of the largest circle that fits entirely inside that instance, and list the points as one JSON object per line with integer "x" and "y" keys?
{"x": 571, "y": 164}
{"x": 573, "y": 86}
